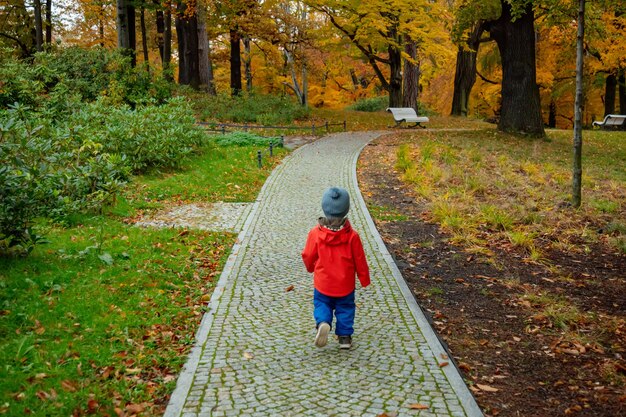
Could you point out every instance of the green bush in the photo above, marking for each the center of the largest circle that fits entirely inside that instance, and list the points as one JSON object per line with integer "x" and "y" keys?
{"x": 80, "y": 164}
{"x": 148, "y": 137}
{"x": 250, "y": 108}
{"x": 371, "y": 104}
{"x": 245, "y": 138}
{"x": 48, "y": 171}
{"x": 56, "y": 81}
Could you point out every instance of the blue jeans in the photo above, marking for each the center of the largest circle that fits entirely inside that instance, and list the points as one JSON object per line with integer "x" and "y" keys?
{"x": 343, "y": 308}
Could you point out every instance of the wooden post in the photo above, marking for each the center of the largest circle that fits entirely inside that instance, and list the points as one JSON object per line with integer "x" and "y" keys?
{"x": 259, "y": 157}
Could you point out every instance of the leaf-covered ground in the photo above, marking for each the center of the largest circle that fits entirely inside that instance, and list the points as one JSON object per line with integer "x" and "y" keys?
{"x": 527, "y": 293}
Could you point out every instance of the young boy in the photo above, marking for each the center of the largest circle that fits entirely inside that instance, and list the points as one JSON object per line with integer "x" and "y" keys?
{"x": 334, "y": 253}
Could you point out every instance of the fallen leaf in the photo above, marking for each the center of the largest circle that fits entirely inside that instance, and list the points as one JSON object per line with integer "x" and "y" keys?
{"x": 248, "y": 355}
{"x": 487, "y": 388}
{"x": 42, "y": 395}
{"x": 134, "y": 408}
{"x": 465, "y": 367}
{"x": 92, "y": 406}
{"x": 289, "y": 288}
{"x": 442, "y": 364}
{"x": 418, "y": 406}
{"x": 573, "y": 409}
{"x": 68, "y": 385}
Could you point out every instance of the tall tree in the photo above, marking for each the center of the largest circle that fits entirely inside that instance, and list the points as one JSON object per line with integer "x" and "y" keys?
{"x": 187, "y": 33}
{"x": 38, "y": 25}
{"x": 465, "y": 71}
{"x": 577, "y": 169}
{"x": 144, "y": 37}
{"x": 235, "y": 62}
{"x": 377, "y": 29}
{"x": 411, "y": 75}
{"x": 621, "y": 88}
{"x": 167, "y": 41}
{"x": 514, "y": 34}
{"x": 48, "y": 22}
{"x": 126, "y": 37}
{"x": 609, "y": 94}
{"x": 205, "y": 67}
{"x": 17, "y": 28}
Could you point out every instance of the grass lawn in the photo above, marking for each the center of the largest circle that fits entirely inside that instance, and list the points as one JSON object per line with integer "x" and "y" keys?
{"x": 100, "y": 319}
{"x": 488, "y": 188}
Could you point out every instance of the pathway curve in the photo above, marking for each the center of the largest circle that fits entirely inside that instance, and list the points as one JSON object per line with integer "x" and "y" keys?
{"x": 254, "y": 354}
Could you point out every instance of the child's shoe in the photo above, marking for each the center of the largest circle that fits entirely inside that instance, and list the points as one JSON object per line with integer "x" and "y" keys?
{"x": 345, "y": 342}
{"x": 322, "y": 334}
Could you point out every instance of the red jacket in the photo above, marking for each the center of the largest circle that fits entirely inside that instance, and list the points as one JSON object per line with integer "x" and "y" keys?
{"x": 334, "y": 257}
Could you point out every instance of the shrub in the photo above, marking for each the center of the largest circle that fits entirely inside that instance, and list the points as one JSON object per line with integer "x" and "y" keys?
{"x": 244, "y": 138}
{"x": 371, "y": 104}
{"x": 52, "y": 170}
{"x": 48, "y": 171}
{"x": 250, "y": 108}
{"x": 61, "y": 79}
{"x": 148, "y": 137}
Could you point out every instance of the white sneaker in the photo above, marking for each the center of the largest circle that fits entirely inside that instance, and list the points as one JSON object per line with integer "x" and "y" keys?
{"x": 322, "y": 334}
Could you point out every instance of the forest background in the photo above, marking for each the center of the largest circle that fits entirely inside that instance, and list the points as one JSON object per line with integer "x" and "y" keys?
{"x": 333, "y": 53}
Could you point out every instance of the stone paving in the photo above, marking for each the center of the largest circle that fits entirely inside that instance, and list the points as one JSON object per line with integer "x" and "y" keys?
{"x": 229, "y": 217}
{"x": 254, "y": 354}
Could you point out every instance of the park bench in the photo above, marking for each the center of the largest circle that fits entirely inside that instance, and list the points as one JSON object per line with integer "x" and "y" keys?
{"x": 612, "y": 121}
{"x": 407, "y": 115}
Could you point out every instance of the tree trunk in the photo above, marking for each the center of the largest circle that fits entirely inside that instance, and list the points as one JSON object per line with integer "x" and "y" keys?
{"x": 188, "y": 59}
{"x": 395, "y": 79}
{"x": 235, "y": 62}
{"x": 355, "y": 80}
{"x": 465, "y": 75}
{"x": 144, "y": 39}
{"x": 247, "y": 62}
{"x": 167, "y": 44}
{"x": 126, "y": 40}
{"x": 521, "y": 106}
{"x": 305, "y": 86}
{"x": 411, "y": 76}
{"x": 38, "y": 26}
{"x": 609, "y": 94}
{"x": 132, "y": 34}
{"x": 160, "y": 27}
{"x": 577, "y": 169}
{"x": 621, "y": 82}
{"x": 122, "y": 25}
{"x": 101, "y": 26}
{"x": 49, "y": 22}
{"x": 204, "y": 50}
{"x": 183, "y": 74}
{"x": 552, "y": 114}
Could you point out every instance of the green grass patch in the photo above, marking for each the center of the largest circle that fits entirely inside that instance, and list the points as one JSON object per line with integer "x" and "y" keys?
{"x": 384, "y": 213}
{"x": 104, "y": 315}
{"x": 488, "y": 185}
{"x": 219, "y": 173}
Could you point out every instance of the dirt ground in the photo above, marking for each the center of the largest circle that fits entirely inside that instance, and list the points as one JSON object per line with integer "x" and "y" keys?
{"x": 514, "y": 360}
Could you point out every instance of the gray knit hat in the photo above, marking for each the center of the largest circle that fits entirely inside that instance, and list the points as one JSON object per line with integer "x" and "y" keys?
{"x": 336, "y": 202}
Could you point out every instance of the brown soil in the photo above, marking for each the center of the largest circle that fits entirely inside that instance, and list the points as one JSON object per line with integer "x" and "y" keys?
{"x": 495, "y": 338}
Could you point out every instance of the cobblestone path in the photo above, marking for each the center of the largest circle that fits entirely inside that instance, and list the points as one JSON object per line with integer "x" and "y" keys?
{"x": 255, "y": 353}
